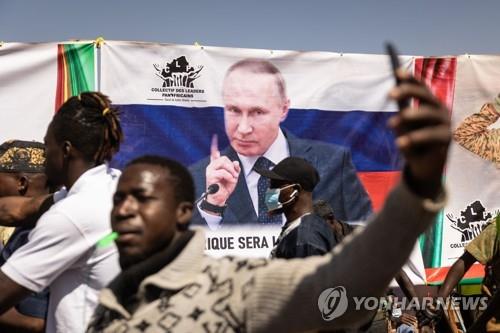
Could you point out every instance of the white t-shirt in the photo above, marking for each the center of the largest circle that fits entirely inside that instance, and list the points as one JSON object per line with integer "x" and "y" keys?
{"x": 62, "y": 253}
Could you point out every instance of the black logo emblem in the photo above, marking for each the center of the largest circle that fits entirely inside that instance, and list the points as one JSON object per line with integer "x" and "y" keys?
{"x": 178, "y": 73}
{"x": 471, "y": 221}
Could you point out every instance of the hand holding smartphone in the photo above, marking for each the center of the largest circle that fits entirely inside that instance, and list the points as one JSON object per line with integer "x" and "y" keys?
{"x": 393, "y": 55}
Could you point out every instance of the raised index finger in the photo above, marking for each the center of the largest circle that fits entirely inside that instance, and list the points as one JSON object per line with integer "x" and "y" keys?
{"x": 214, "y": 148}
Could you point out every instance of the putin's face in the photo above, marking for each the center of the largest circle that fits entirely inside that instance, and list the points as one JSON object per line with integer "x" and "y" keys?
{"x": 254, "y": 107}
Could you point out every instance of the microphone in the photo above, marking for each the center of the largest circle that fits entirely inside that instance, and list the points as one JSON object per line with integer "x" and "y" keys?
{"x": 213, "y": 188}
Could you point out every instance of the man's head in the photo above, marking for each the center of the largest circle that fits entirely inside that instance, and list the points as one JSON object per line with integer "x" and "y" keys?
{"x": 153, "y": 201}
{"x": 22, "y": 168}
{"x": 255, "y": 103}
{"x": 87, "y": 129}
{"x": 292, "y": 182}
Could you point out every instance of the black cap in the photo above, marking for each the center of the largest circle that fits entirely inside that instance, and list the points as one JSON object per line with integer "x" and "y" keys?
{"x": 293, "y": 170}
{"x": 22, "y": 156}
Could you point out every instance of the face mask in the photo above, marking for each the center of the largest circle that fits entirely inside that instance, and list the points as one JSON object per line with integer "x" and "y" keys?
{"x": 272, "y": 198}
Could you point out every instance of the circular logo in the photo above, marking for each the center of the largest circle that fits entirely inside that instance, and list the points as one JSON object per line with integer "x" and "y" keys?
{"x": 332, "y": 303}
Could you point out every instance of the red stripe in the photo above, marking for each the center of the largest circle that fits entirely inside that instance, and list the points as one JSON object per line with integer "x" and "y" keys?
{"x": 439, "y": 75}
{"x": 378, "y": 185}
{"x": 435, "y": 275}
{"x": 60, "y": 77}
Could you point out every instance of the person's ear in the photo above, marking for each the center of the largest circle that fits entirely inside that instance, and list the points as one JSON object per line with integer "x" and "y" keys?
{"x": 22, "y": 185}
{"x": 67, "y": 148}
{"x": 284, "y": 110}
{"x": 183, "y": 213}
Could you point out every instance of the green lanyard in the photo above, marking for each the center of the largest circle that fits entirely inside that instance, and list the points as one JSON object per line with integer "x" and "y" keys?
{"x": 107, "y": 240}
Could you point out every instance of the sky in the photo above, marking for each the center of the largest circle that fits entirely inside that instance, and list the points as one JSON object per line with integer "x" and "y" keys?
{"x": 347, "y": 26}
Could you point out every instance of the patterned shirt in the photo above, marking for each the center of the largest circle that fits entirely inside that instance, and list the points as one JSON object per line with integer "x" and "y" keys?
{"x": 5, "y": 233}
{"x": 197, "y": 293}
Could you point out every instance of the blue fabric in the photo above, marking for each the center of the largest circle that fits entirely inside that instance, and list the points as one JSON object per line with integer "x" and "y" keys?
{"x": 184, "y": 133}
{"x": 36, "y": 304}
{"x": 403, "y": 328}
{"x": 339, "y": 184}
{"x": 312, "y": 237}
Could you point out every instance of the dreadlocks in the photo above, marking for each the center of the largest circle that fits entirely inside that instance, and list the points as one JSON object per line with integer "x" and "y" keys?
{"x": 91, "y": 124}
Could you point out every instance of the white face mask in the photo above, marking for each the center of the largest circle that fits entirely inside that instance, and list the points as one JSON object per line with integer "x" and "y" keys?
{"x": 273, "y": 197}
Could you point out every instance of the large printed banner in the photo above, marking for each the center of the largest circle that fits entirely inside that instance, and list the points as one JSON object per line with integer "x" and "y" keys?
{"x": 172, "y": 102}
{"x": 174, "y": 98}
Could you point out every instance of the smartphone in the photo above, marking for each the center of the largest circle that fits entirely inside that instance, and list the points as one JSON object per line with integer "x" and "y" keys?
{"x": 394, "y": 58}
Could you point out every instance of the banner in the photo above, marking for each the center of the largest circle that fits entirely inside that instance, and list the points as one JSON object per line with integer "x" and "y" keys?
{"x": 175, "y": 98}
{"x": 35, "y": 79}
{"x": 171, "y": 97}
{"x": 473, "y": 168}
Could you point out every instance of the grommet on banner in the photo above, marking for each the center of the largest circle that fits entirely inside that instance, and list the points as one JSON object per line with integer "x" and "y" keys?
{"x": 198, "y": 45}
{"x": 99, "y": 41}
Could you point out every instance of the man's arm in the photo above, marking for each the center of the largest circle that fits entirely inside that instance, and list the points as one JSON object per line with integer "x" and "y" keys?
{"x": 405, "y": 284}
{"x": 473, "y": 133}
{"x": 23, "y": 211}
{"x": 408, "y": 288}
{"x": 54, "y": 245}
{"x": 364, "y": 264}
{"x": 11, "y": 293}
{"x": 456, "y": 273}
{"x": 14, "y": 322}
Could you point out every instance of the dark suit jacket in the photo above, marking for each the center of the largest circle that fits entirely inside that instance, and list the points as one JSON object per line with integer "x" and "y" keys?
{"x": 339, "y": 184}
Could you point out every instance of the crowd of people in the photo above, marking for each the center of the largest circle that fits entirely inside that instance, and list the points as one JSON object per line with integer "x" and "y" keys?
{"x": 62, "y": 198}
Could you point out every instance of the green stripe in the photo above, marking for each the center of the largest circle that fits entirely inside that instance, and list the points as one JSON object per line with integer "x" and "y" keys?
{"x": 438, "y": 241}
{"x": 80, "y": 62}
{"x": 466, "y": 281}
{"x": 430, "y": 243}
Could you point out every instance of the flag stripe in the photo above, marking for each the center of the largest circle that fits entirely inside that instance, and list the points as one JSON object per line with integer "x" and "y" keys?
{"x": 184, "y": 133}
{"x": 75, "y": 71}
{"x": 378, "y": 185}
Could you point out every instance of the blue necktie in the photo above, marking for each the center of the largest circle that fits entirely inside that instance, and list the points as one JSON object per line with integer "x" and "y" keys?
{"x": 262, "y": 186}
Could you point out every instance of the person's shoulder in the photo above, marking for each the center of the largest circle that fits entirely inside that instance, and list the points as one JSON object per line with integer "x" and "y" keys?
{"x": 201, "y": 165}
{"x": 315, "y": 222}
{"x": 490, "y": 229}
{"x": 318, "y": 149}
{"x": 87, "y": 208}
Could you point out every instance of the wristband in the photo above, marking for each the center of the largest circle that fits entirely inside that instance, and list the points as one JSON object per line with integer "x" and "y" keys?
{"x": 207, "y": 206}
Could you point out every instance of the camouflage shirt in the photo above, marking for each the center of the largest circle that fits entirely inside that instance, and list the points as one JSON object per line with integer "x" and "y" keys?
{"x": 474, "y": 135}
